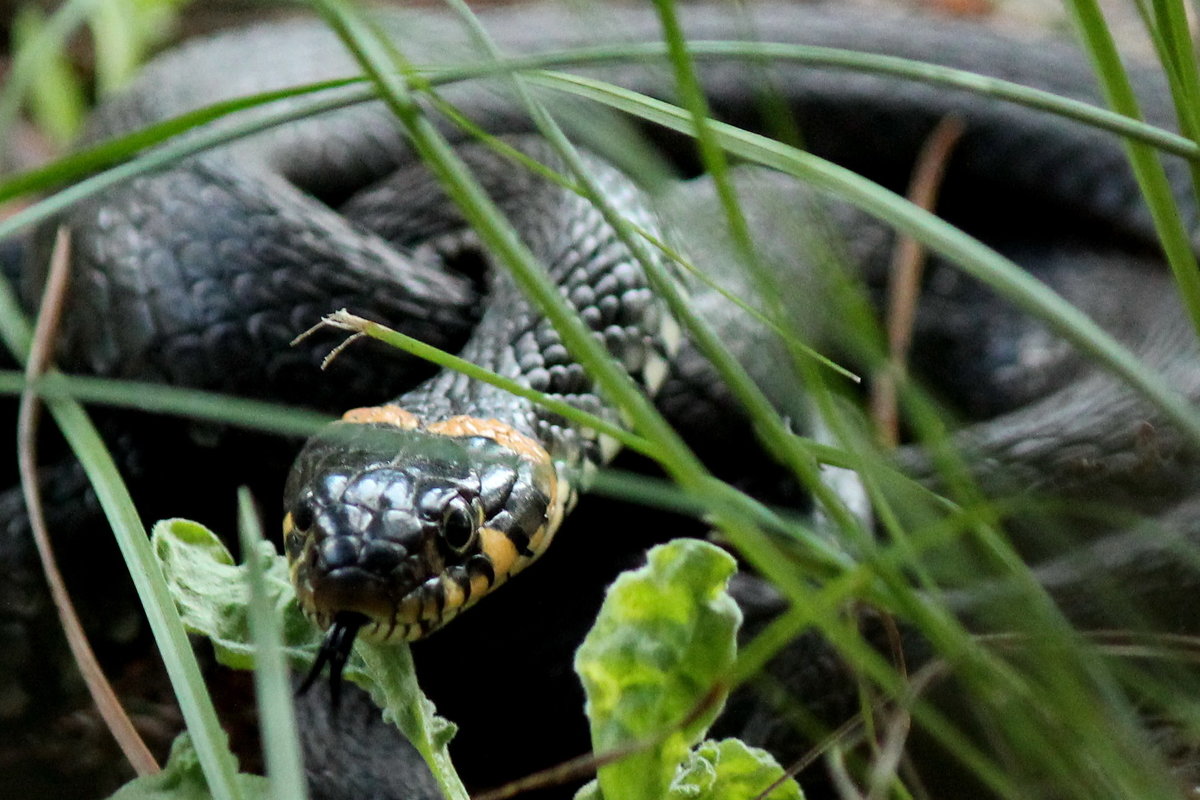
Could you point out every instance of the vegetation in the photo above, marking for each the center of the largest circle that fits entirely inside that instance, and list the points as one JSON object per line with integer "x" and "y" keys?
{"x": 1062, "y": 711}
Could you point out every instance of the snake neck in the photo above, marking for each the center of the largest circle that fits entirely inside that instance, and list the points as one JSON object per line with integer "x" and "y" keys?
{"x": 603, "y": 282}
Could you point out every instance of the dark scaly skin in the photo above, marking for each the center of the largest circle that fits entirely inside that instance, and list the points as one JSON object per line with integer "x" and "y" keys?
{"x": 1045, "y": 162}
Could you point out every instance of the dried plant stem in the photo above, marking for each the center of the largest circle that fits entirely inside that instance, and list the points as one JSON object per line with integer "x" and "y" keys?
{"x": 111, "y": 711}
{"x": 904, "y": 285}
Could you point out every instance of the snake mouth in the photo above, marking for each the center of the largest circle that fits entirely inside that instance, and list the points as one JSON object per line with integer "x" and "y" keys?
{"x": 349, "y": 590}
{"x": 352, "y": 603}
{"x": 386, "y": 618}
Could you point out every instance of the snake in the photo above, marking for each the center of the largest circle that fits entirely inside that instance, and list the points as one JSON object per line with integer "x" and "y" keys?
{"x": 403, "y": 515}
{"x": 422, "y": 500}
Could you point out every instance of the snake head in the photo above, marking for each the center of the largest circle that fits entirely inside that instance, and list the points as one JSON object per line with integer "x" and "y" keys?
{"x": 404, "y": 525}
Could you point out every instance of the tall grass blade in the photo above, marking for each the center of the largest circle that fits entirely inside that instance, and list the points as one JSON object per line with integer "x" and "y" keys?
{"x": 276, "y": 717}
{"x": 1174, "y": 238}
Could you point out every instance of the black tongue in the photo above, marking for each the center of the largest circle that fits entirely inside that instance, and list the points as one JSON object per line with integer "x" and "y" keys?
{"x": 335, "y": 650}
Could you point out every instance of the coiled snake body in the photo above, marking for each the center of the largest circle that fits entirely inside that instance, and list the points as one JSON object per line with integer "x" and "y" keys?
{"x": 183, "y": 276}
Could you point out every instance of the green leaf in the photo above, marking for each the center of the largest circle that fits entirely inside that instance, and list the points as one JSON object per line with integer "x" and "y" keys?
{"x": 731, "y": 770}
{"x": 213, "y": 597}
{"x": 663, "y": 641}
{"x": 183, "y": 779}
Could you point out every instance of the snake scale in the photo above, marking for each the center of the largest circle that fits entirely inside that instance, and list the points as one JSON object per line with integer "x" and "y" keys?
{"x": 202, "y": 275}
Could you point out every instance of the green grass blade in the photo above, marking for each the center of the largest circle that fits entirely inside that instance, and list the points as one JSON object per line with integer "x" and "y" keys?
{"x": 113, "y": 151}
{"x": 210, "y": 741}
{"x": 814, "y": 55}
{"x": 774, "y": 432}
{"x": 276, "y": 716}
{"x": 157, "y": 398}
{"x": 440, "y": 357}
{"x": 163, "y": 158}
{"x": 1168, "y": 26}
{"x": 1174, "y": 238}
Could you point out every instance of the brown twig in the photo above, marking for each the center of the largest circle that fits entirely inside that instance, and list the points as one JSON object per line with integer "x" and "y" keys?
{"x": 816, "y": 751}
{"x": 904, "y": 282}
{"x": 40, "y": 353}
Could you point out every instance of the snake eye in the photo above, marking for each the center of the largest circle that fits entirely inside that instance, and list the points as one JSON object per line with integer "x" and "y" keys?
{"x": 458, "y": 524}
{"x": 304, "y": 515}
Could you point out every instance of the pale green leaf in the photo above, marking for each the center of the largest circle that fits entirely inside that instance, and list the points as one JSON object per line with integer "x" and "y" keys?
{"x": 212, "y": 595}
{"x": 664, "y": 639}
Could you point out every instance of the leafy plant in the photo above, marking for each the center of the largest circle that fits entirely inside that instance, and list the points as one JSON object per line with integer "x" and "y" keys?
{"x": 655, "y": 668}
